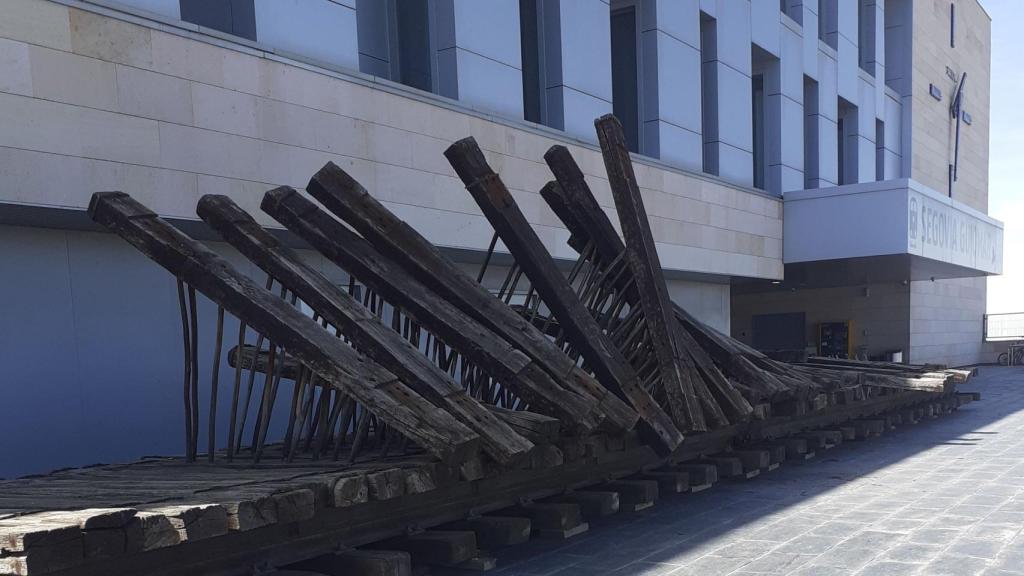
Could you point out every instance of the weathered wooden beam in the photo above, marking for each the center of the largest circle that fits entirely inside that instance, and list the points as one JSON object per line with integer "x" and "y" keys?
{"x": 347, "y": 199}
{"x": 698, "y": 473}
{"x": 475, "y": 341}
{"x": 593, "y": 504}
{"x": 493, "y": 532}
{"x": 367, "y": 333}
{"x": 535, "y": 427}
{"x": 634, "y": 495}
{"x": 642, "y": 258}
{"x": 437, "y": 547}
{"x": 557, "y": 520}
{"x": 600, "y": 353}
{"x": 338, "y": 364}
{"x": 362, "y": 562}
{"x": 669, "y": 482}
{"x": 572, "y": 200}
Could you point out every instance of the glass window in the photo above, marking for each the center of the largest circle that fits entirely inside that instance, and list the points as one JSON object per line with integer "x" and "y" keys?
{"x": 413, "y": 35}
{"x": 236, "y": 17}
{"x": 530, "y": 40}
{"x": 625, "y": 97}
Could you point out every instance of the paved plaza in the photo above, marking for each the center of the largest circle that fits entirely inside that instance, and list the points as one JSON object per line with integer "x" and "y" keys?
{"x": 945, "y": 496}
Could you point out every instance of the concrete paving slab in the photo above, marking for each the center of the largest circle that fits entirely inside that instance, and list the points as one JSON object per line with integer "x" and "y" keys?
{"x": 945, "y": 496}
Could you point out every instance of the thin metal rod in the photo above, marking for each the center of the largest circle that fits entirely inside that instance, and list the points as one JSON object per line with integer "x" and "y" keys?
{"x": 487, "y": 259}
{"x": 237, "y": 386}
{"x": 214, "y": 383}
{"x": 187, "y": 346}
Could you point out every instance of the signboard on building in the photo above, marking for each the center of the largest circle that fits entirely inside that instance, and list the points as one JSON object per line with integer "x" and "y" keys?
{"x": 940, "y": 230}
{"x": 890, "y": 218}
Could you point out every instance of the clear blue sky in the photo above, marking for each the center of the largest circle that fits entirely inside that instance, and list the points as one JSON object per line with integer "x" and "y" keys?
{"x": 1006, "y": 162}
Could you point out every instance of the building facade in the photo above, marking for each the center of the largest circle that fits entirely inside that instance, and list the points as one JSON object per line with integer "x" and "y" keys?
{"x": 795, "y": 158}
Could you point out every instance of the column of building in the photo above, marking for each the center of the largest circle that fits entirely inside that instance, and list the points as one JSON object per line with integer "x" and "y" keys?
{"x": 728, "y": 133}
{"x": 578, "y": 77}
{"x": 671, "y": 107}
{"x": 478, "y": 54}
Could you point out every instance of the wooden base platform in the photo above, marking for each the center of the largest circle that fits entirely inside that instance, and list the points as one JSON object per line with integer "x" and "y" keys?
{"x": 162, "y": 516}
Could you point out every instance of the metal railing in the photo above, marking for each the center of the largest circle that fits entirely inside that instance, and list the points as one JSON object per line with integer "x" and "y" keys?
{"x": 1005, "y": 326}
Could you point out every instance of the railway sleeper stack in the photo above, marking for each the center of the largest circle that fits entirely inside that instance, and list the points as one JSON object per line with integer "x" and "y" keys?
{"x": 408, "y": 416}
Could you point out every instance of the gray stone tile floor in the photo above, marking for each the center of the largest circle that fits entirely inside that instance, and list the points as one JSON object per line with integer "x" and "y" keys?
{"x": 945, "y": 496}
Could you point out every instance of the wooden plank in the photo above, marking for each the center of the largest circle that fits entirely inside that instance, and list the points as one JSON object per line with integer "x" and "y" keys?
{"x": 437, "y": 547}
{"x": 593, "y": 504}
{"x": 669, "y": 482}
{"x": 367, "y": 333}
{"x": 493, "y": 532}
{"x": 347, "y": 199}
{"x": 796, "y": 448}
{"x": 478, "y": 563}
{"x": 641, "y": 256}
{"x": 868, "y": 428}
{"x": 549, "y": 518}
{"x": 776, "y": 453}
{"x": 535, "y": 427}
{"x": 699, "y": 474}
{"x": 753, "y": 459}
{"x": 192, "y": 521}
{"x": 456, "y": 328}
{"x": 361, "y": 563}
{"x": 350, "y": 490}
{"x": 634, "y": 495}
{"x": 235, "y": 552}
{"x": 386, "y": 484}
{"x": 104, "y": 532}
{"x": 27, "y": 547}
{"x": 376, "y": 388}
{"x": 601, "y": 355}
{"x": 728, "y": 466}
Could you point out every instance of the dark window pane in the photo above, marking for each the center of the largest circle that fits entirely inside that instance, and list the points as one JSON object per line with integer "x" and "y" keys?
{"x": 709, "y": 92}
{"x": 243, "y": 18}
{"x": 530, "y": 41}
{"x": 841, "y": 151}
{"x": 414, "y": 44}
{"x": 757, "y": 124}
{"x": 952, "y": 25}
{"x": 236, "y": 17}
{"x": 624, "y": 70}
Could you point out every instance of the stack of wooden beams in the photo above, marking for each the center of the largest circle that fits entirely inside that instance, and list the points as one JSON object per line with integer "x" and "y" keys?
{"x": 421, "y": 377}
{"x": 602, "y": 348}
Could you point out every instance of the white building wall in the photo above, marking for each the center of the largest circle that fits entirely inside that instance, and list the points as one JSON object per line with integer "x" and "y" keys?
{"x": 477, "y": 61}
{"x": 946, "y": 324}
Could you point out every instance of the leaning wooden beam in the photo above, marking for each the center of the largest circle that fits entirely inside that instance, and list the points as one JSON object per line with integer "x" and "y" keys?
{"x": 571, "y": 196}
{"x": 600, "y": 353}
{"x": 379, "y": 390}
{"x": 586, "y": 221}
{"x": 477, "y": 343}
{"x": 347, "y": 199}
{"x": 643, "y": 261}
{"x": 359, "y": 325}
